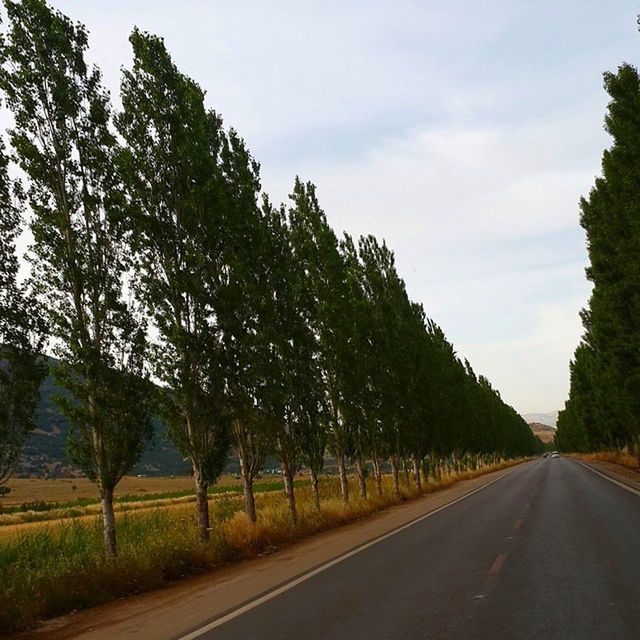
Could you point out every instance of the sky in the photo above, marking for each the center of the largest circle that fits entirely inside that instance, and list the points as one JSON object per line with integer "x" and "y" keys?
{"x": 462, "y": 132}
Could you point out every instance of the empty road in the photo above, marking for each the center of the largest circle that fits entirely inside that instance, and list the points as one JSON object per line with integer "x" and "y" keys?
{"x": 551, "y": 550}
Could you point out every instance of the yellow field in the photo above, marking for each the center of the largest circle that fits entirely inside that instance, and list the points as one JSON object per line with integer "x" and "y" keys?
{"x": 62, "y": 490}
{"x": 14, "y": 524}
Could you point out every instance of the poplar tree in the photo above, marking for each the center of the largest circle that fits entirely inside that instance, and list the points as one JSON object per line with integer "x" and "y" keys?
{"x": 322, "y": 264}
{"x": 393, "y": 332}
{"x": 244, "y": 291}
{"x": 357, "y": 388}
{"x": 611, "y": 219}
{"x": 21, "y": 368}
{"x": 171, "y": 168}
{"x": 64, "y": 144}
{"x": 603, "y": 409}
{"x": 292, "y": 393}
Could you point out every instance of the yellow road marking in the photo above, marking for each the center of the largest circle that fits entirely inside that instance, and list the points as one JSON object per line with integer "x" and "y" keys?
{"x": 497, "y": 564}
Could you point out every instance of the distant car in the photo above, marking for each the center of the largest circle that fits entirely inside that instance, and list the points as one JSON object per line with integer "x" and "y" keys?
{"x": 555, "y": 455}
{"x": 545, "y": 454}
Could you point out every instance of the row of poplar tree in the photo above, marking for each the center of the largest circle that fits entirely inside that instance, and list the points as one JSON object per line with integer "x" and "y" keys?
{"x": 603, "y": 410}
{"x": 156, "y": 257}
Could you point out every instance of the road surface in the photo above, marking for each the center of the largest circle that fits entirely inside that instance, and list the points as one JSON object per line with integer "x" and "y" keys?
{"x": 551, "y": 550}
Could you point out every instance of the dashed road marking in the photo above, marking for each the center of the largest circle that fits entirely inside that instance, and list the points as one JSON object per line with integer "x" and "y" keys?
{"x": 497, "y": 564}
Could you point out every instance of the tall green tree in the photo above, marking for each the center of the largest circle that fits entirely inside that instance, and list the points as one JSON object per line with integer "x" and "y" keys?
{"x": 386, "y": 301}
{"x": 292, "y": 394}
{"x": 604, "y": 403}
{"x": 243, "y": 294}
{"x": 21, "y": 368}
{"x": 64, "y": 144}
{"x": 357, "y": 392}
{"x": 171, "y": 166}
{"x": 319, "y": 258}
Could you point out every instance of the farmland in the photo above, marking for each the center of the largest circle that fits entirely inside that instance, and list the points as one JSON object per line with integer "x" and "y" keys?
{"x": 24, "y": 490}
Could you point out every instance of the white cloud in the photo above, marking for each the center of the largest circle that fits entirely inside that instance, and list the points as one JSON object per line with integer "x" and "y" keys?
{"x": 484, "y": 222}
{"x": 532, "y": 372}
{"x": 462, "y": 132}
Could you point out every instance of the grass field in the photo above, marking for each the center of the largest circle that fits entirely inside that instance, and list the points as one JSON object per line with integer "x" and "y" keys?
{"x": 24, "y": 490}
{"x": 24, "y": 518}
{"x": 49, "y": 568}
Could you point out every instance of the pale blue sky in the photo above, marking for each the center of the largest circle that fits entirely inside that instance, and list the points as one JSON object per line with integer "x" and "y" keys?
{"x": 463, "y": 132}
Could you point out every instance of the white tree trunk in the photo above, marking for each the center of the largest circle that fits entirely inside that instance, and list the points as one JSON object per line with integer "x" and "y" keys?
{"x": 109, "y": 522}
{"x": 344, "y": 480}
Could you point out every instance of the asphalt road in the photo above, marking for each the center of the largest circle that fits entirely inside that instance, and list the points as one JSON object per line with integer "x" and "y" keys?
{"x": 551, "y": 550}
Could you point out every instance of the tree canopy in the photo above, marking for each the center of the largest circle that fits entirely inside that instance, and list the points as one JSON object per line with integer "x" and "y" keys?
{"x": 603, "y": 410}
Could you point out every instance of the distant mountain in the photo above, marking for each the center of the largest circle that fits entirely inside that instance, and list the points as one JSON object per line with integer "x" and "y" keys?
{"x": 550, "y": 419}
{"x": 543, "y": 431}
{"x": 45, "y": 452}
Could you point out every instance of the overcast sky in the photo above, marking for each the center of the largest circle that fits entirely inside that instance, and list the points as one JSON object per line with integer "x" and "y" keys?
{"x": 462, "y": 132}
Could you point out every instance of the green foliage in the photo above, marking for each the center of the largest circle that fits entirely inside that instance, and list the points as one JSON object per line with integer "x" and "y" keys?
{"x": 21, "y": 369}
{"x": 64, "y": 144}
{"x": 269, "y": 332}
{"x": 603, "y": 410}
{"x": 170, "y": 167}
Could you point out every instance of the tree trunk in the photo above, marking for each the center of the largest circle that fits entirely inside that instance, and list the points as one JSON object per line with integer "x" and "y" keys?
{"x": 377, "y": 472}
{"x": 316, "y": 492}
{"x": 289, "y": 491}
{"x": 416, "y": 472}
{"x": 249, "y": 499}
{"x": 396, "y": 476}
{"x": 109, "y": 522}
{"x": 247, "y": 483}
{"x": 202, "y": 505}
{"x": 406, "y": 474}
{"x": 361, "y": 479}
{"x": 344, "y": 480}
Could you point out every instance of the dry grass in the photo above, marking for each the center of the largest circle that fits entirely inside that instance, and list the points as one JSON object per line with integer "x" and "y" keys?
{"x": 622, "y": 458}
{"x": 62, "y": 489}
{"x": 42, "y": 511}
{"x": 14, "y": 524}
{"x": 54, "y": 568}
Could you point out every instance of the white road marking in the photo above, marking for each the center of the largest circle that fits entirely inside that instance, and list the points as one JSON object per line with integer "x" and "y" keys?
{"x": 314, "y": 572}
{"x": 606, "y": 477}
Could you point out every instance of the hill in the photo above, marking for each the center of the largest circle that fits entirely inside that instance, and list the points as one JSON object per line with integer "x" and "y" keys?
{"x": 45, "y": 452}
{"x": 548, "y": 419}
{"x": 543, "y": 431}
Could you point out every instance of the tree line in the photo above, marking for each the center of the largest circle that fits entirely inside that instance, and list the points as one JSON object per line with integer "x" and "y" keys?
{"x": 603, "y": 409}
{"x": 157, "y": 257}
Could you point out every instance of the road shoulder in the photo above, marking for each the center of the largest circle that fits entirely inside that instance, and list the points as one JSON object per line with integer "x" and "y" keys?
{"x": 616, "y": 472}
{"x": 174, "y": 611}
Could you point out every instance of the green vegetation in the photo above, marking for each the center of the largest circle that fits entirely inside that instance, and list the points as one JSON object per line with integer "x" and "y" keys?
{"x": 64, "y": 143}
{"x": 155, "y": 252}
{"x": 603, "y": 410}
{"x": 21, "y": 370}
